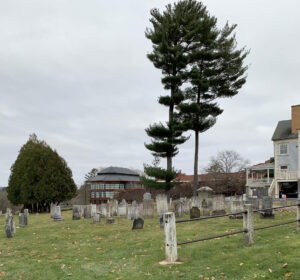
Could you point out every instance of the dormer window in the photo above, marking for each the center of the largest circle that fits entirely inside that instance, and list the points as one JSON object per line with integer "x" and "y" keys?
{"x": 283, "y": 149}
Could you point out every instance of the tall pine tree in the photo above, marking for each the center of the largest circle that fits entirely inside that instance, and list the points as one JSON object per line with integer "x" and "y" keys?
{"x": 216, "y": 71}
{"x": 172, "y": 41}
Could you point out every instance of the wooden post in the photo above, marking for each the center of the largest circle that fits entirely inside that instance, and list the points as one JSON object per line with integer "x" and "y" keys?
{"x": 170, "y": 237}
{"x": 298, "y": 215}
{"x": 248, "y": 224}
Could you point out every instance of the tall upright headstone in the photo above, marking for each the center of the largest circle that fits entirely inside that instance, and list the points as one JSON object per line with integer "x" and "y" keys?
{"x": 96, "y": 218}
{"x": 52, "y": 209}
{"x": 161, "y": 204}
{"x": 93, "y": 209}
{"x": 147, "y": 196}
{"x": 218, "y": 204}
{"x": 23, "y": 220}
{"x": 236, "y": 207}
{"x": 123, "y": 208}
{"x": 148, "y": 208}
{"x": 57, "y": 214}
{"x": 103, "y": 210}
{"x": 267, "y": 203}
{"x": 87, "y": 211}
{"x": 205, "y": 208}
{"x": 115, "y": 207}
{"x": 10, "y": 227}
{"x": 76, "y": 212}
{"x": 177, "y": 205}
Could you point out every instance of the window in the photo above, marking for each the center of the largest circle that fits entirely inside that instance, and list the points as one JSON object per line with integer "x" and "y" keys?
{"x": 283, "y": 149}
{"x": 284, "y": 167}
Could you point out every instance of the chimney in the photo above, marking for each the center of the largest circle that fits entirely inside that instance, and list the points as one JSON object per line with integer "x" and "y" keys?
{"x": 295, "y": 118}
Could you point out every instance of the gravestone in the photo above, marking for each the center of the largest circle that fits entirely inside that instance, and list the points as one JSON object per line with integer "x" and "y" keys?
{"x": 57, "y": 214}
{"x": 218, "y": 205}
{"x": 22, "y": 220}
{"x": 161, "y": 204}
{"x": 76, "y": 212}
{"x": 52, "y": 209}
{"x": 267, "y": 202}
{"x": 236, "y": 206}
{"x": 87, "y": 212}
{"x": 26, "y": 212}
{"x": 96, "y": 218}
{"x": 147, "y": 196}
{"x": 8, "y": 212}
{"x": 254, "y": 201}
{"x": 148, "y": 208}
{"x": 140, "y": 210}
{"x": 138, "y": 223}
{"x": 103, "y": 210}
{"x": 196, "y": 201}
{"x": 115, "y": 207}
{"x": 194, "y": 213}
{"x": 133, "y": 213}
{"x": 93, "y": 209}
{"x": 186, "y": 206}
{"x": 10, "y": 228}
{"x": 109, "y": 209}
{"x": 177, "y": 205}
{"x": 205, "y": 208}
{"x": 123, "y": 208}
{"x": 0, "y": 213}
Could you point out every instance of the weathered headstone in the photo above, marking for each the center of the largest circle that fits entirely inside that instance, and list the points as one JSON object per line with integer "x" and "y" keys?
{"x": 161, "y": 204}
{"x": 218, "y": 205}
{"x": 177, "y": 205}
{"x": 57, "y": 214}
{"x": 267, "y": 202}
{"x": 93, "y": 209}
{"x": 103, "y": 210}
{"x": 236, "y": 207}
{"x": 109, "y": 209}
{"x": 186, "y": 206}
{"x": 114, "y": 207}
{"x": 254, "y": 201}
{"x": 76, "y": 212}
{"x": 23, "y": 220}
{"x": 133, "y": 210}
{"x": 147, "y": 196}
{"x": 196, "y": 201}
{"x": 52, "y": 209}
{"x": 123, "y": 208}
{"x": 87, "y": 211}
{"x": 205, "y": 208}
{"x": 148, "y": 208}
{"x": 96, "y": 218}
{"x": 194, "y": 213}
{"x": 138, "y": 223}
{"x": 10, "y": 227}
{"x": 26, "y": 212}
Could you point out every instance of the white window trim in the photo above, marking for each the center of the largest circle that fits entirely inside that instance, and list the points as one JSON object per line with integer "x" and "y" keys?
{"x": 287, "y": 149}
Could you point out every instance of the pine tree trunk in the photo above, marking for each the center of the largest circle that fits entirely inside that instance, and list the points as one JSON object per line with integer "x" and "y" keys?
{"x": 195, "y": 182}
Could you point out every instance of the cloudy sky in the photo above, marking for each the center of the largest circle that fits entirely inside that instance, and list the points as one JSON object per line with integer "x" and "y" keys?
{"x": 76, "y": 74}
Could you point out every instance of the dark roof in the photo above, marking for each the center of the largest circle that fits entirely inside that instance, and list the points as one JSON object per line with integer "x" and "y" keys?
{"x": 284, "y": 131}
{"x": 116, "y": 174}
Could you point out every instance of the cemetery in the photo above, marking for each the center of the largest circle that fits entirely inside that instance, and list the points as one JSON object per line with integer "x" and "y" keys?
{"x": 92, "y": 242}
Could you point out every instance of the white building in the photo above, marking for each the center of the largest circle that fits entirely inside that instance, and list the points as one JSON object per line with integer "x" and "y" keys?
{"x": 286, "y": 139}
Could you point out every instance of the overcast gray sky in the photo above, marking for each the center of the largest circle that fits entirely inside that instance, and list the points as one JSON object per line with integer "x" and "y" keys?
{"x": 76, "y": 74}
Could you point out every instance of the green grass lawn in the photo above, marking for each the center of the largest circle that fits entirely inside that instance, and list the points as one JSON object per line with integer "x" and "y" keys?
{"x": 82, "y": 250}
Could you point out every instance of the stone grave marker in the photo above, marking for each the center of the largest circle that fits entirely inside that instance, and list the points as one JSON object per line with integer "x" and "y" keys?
{"x": 147, "y": 196}
{"x": 52, "y": 209}
{"x": 22, "y": 220}
{"x": 236, "y": 206}
{"x": 26, "y": 212}
{"x": 103, "y": 210}
{"x": 96, "y": 218}
{"x": 148, "y": 208}
{"x": 186, "y": 206}
{"x": 177, "y": 205}
{"x": 87, "y": 212}
{"x": 161, "y": 204}
{"x": 93, "y": 209}
{"x": 10, "y": 228}
{"x": 205, "y": 208}
{"x": 218, "y": 205}
{"x": 267, "y": 202}
{"x": 194, "y": 212}
{"x": 76, "y": 212}
{"x": 123, "y": 208}
{"x": 57, "y": 214}
{"x": 138, "y": 223}
{"x": 115, "y": 207}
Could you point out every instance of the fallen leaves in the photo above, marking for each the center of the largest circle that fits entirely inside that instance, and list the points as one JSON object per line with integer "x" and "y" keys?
{"x": 2, "y": 273}
{"x": 285, "y": 265}
{"x": 288, "y": 274}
